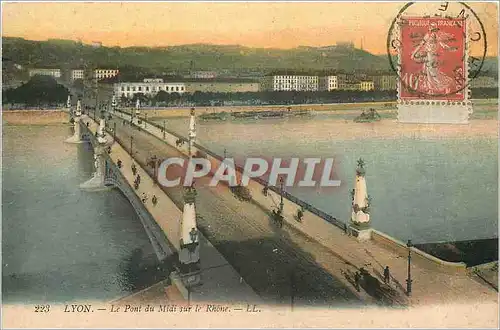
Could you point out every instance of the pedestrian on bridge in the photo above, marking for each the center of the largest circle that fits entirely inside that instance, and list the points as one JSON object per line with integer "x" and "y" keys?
{"x": 138, "y": 179}
{"x": 357, "y": 279}
{"x": 134, "y": 169}
{"x": 387, "y": 275}
{"x": 144, "y": 198}
{"x": 154, "y": 200}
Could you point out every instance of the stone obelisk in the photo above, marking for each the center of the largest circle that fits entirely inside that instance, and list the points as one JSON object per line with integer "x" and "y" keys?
{"x": 360, "y": 208}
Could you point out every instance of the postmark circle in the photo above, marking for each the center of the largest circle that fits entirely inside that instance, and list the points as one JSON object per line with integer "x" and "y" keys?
{"x": 417, "y": 43}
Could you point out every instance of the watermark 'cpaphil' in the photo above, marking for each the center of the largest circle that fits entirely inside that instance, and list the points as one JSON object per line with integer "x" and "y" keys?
{"x": 299, "y": 172}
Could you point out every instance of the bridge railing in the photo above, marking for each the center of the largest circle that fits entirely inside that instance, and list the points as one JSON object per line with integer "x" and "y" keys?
{"x": 305, "y": 205}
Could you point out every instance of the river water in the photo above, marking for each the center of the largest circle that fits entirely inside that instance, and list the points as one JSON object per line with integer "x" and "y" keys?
{"x": 60, "y": 243}
{"x": 424, "y": 189}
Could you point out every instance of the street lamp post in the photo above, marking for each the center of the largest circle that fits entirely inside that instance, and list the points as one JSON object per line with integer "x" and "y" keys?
{"x": 114, "y": 130}
{"x": 292, "y": 289}
{"x": 281, "y": 196}
{"x": 131, "y": 141}
{"x": 164, "y": 130}
{"x": 409, "y": 280}
{"x": 145, "y": 119}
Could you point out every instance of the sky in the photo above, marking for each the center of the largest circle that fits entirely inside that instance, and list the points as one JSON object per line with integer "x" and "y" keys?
{"x": 263, "y": 24}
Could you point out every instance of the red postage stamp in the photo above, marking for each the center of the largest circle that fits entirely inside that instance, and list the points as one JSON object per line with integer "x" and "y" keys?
{"x": 433, "y": 58}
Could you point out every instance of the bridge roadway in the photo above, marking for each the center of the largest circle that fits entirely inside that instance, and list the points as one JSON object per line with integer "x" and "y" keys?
{"x": 244, "y": 233}
{"x": 221, "y": 283}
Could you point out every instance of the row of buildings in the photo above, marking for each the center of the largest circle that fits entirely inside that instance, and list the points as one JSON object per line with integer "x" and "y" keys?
{"x": 331, "y": 82}
{"x": 75, "y": 73}
{"x": 151, "y": 87}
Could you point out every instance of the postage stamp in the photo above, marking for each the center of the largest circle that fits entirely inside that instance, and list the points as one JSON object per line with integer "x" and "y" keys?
{"x": 432, "y": 58}
{"x": 249, "y": 164}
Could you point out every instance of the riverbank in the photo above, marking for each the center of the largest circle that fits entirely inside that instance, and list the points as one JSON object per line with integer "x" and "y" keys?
{"x": 185, "y": 111}
{"x": 34, "y": 117}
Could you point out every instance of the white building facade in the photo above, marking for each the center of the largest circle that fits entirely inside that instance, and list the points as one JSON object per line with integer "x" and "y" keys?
{"x": 148, "y": 87}
{"x": 290, "y": 83}
{"x": 105, "y": 73}
{"x": 56, "y": 73}
{"x": 366, "y": 85}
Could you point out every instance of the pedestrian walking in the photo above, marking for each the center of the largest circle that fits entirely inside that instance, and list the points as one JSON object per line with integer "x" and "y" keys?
{"x": 134, "y": 169}
{"x": 387, "y": 275}
{"x": 144, "y": 198}
{"x": 154, "y": 200}
{"x": 138, "y": 179}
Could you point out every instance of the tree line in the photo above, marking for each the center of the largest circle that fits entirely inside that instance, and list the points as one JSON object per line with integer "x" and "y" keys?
{"x": 163, "y": 98}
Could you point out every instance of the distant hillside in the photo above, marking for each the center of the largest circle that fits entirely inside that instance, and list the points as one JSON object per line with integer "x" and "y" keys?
{"x": 232, "y": 58}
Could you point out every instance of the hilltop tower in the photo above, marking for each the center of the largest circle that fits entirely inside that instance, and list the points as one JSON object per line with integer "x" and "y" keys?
{"x": 360, "y": 208}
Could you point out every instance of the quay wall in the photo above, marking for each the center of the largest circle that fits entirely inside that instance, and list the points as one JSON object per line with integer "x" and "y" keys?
{"x": 34, "y": 117}
{"x": 315, "y": 224}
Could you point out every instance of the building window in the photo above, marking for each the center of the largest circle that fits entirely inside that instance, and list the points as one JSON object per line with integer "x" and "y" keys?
{"x": 123, "y": 88}
{"x": 147, "y": 88}
{"x": 139, "y": 88}
{"x": 128, "y": 88}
